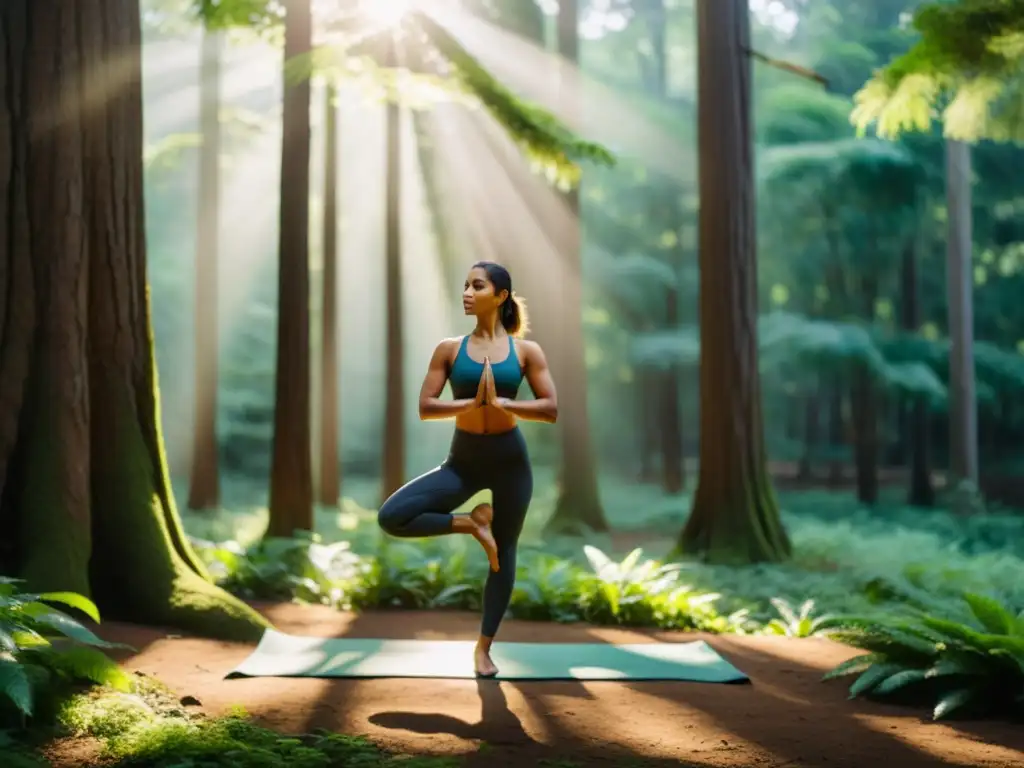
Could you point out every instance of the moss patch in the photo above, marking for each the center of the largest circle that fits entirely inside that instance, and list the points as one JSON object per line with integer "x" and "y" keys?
{"x": 151, "y": 727}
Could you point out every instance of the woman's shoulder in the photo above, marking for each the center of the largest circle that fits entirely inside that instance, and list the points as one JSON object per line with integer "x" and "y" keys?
{"x": 527, "y": 349}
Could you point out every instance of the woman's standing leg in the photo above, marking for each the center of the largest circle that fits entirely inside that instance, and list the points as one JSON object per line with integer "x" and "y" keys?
{"x": 512, "y": 494}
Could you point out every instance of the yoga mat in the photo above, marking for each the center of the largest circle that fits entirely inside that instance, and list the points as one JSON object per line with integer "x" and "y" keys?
{"x": 281, "y": 655}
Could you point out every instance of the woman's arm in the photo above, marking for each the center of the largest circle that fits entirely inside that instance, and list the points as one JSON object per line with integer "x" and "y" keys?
{"x": 544, "y": 406}
{"x": 432, "y": 407}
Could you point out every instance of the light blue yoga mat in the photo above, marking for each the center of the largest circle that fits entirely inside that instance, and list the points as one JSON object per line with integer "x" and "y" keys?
{"x": 281, "y": 655}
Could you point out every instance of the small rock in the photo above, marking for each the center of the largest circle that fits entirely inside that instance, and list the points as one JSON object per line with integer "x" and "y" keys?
{"x": 190, "y": 701}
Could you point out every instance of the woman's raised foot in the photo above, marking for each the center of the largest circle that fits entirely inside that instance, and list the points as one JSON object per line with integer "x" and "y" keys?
{"x": 482, "y": 515}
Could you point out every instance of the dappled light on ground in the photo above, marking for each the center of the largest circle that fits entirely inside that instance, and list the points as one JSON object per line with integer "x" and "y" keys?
{"x": 786, "y": 716}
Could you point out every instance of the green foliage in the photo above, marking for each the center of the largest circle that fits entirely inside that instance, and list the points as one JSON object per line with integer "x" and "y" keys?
{"x": 236, "y": 742}
{"x": 798, "y": 622}
{"x": 975, "y": 666}
{"x": 42, "y": 649}
{"x": 968, "y": 63}
{"x": 633, "y": 592}
{"x": 546, "y": 141}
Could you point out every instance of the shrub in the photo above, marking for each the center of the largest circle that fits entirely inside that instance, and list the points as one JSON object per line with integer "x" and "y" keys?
{"x": 953, "y": 666}
{"x": 42, "y": 649}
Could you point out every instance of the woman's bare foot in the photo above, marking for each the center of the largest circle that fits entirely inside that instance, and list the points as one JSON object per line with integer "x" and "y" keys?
{"x": 482, "y": 661}
{"x": 482, "y": 515}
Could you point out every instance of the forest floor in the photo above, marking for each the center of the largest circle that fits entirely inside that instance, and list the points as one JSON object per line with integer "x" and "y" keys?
{"x": 787, "y": 717}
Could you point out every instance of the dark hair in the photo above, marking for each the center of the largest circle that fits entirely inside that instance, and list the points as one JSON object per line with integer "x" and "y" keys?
{"x": 513, "y": 309}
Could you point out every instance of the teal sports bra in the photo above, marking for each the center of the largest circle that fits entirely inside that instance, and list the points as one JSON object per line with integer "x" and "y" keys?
{"x": 465, "y": 374}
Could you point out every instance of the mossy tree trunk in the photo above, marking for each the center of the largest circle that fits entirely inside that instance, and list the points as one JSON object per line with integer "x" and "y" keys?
{"x": 86, "y": 498}
{"x": 291, "y": 472}
{"x": 329, "y": 485}
{"x": 735, "y": 515}
{"x": 204, "y": 485}
{"x": 579, "y": 500}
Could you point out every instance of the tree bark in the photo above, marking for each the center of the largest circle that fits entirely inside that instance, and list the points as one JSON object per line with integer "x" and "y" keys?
{"x": 204, "y": 485}
{"x": 963, "y": 408}
{"x": 291, "y": 473}
{"x": 735, "y": 516}
{"x": 579, "y": 499}
{"x": 864, "y": 410}
{"x": 85, "y": 490}
{"x": 329, "y": 487}
{"x": 921, "y": 493}
{"x": 393, "y": 475}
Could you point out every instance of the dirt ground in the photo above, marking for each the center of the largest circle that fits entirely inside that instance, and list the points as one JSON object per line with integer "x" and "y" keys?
{"x": 786, "y": 717}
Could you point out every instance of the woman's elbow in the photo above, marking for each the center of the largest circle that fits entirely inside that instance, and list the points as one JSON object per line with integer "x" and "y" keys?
{"x": 424, "y": 410}
{"x": 552, "y": 412}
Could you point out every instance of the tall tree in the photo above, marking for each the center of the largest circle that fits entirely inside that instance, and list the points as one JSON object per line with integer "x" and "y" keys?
{"x": 291, "y": 473}
{"x": 329, "y": 485}
{"x": 963, "y": 421}
{"x": 735, "y": 515}
{"x": 204, "y": 485}
{"x": 85, "y": 498}
{"x": 393, "y": 474}
{"x": 579, "y": 500}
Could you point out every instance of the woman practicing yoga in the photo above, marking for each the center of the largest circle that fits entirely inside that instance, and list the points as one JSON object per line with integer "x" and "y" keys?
{"x": 485, "y": 369}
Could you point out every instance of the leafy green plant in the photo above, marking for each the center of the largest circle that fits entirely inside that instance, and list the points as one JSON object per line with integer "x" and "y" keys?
{"x": 798, "y": 622}
{"x": 42, "y": 648}
{"x": 953, "y": 666}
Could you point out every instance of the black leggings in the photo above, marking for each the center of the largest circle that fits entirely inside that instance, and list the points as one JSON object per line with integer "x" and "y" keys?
{"x": 422, "y": 507}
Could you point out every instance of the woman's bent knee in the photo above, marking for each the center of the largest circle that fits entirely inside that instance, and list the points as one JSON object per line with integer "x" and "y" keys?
{"x": 390, "y": 516}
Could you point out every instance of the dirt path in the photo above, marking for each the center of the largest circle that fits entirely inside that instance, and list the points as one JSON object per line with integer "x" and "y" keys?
{"x": 785, "y": 718}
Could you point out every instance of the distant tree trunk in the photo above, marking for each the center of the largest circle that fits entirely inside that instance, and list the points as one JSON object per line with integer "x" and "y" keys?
{"x": 579, "y": 501}
{"x": 291, "y": 473}
{"x": 811, "y": 429}
{"x": 735, "y": 516}
{"x": 963, "y": 424}
{"x": 85, "y": 498}
{"x": 673, "y": 477}
{"x": 204, "y": 485}
{"x": 921, "y": 493}
{"x": 329, "y": 487}
{"x": 864, "y": 411}
{"x": 393, "y": 475}
{"x": 836, "y": 431}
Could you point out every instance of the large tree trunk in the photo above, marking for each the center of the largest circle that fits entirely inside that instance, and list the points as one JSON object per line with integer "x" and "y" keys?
{"x": 579, "y": 500}
{"x": 86, "y": 498}
{"x": 291, "y": 473}
{"x": 920, "y": 493}
{"x": 735, "y": 516}
{"x": 963, "y": 425}
{"x": 204, "y": 485}
{"x": 329, "y": 487}
{"x": 393, "y": 475}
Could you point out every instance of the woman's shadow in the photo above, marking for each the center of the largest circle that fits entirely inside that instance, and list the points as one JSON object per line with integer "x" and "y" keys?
{"x": 497, "y": 724}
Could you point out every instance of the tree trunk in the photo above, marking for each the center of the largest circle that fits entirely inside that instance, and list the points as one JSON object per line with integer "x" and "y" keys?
{"x": 329, "y": 487}
{"x": 673, "y": 476}
{"x": 394, "y": 408}
{"x": 915, "y": 414}
{"x": 864, "y": 410}
{"x": 291, "y": 473}
{"x": 86, "y": 498}
{"x": 811, "y": 428}
{"x": 963, "y": 426}
{"x": 836, "y": 431}
{"x": 735, "y": 516}
{"x": 204, "y": 486}
{"x": 579, "y": 500}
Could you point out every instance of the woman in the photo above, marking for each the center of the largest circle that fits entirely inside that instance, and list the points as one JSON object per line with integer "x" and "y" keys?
{"x": 487, "y": 450}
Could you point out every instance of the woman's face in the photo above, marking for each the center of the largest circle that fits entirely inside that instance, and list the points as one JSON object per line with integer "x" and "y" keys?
{"x": 478, "y": 296}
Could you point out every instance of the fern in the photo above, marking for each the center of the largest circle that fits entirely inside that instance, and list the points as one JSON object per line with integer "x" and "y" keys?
{"x": 41, "y": 646}
{"x": 953, "y": 664}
